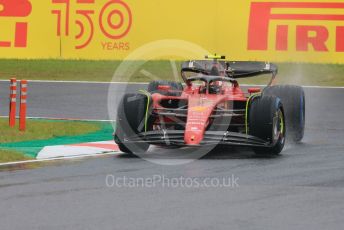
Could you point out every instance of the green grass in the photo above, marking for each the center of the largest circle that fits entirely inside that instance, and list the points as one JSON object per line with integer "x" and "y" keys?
{"x": 44, "y": 129}
{"x": 305, "y": 74}
{"x": 10, "y": 156}
{"x": 86, "y": 70}
{"x": 39, "y": 130}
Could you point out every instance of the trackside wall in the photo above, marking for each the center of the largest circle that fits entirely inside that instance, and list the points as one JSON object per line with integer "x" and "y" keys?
{"x": 307, "y": 31}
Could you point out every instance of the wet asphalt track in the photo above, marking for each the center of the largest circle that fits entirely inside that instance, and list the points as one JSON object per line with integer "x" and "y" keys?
{"x": 302, "y": 189}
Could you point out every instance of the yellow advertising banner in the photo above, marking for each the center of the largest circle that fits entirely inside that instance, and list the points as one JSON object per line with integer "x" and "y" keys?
{"x": 307, "y": 31}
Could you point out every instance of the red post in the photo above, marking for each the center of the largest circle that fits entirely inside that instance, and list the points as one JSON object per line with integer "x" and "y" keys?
{"x": 23, "y": 98}
{"x": 13, "y": 98}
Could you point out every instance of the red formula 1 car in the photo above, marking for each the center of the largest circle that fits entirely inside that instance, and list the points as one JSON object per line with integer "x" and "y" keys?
{"x": 211, "y": 109}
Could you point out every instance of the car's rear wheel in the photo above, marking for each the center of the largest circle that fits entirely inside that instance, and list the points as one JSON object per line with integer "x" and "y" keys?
{"x": 131, "y": 120}
{"x": 176, "y": 88}
{"x": 293, "y": 100}
{"x": 266, "y": 121}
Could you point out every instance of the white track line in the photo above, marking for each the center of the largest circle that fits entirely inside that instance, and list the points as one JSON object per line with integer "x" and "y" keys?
{"x": 59, "y": 158}
{"x": 323, "y": 87}
{"x": 63, "y": 119}
{"x": 84, "y": 82}
{"x": 304, "y": 86}
{"x": 146, "y": 83}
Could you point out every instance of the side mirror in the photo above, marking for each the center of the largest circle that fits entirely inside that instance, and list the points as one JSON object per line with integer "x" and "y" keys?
{"x": 164, "y": 87}
{"x": 254, "y": 90}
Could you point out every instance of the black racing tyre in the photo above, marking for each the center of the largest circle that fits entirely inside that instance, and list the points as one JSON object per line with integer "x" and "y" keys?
{"x": 293, "y": 100}
{"x": 131, "y": 115}
{"x": 176, "y": 87}
{"x": 266, "y": 121}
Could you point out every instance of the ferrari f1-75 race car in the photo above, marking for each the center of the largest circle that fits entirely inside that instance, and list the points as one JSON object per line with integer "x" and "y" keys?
{"x": 211, "y": 109}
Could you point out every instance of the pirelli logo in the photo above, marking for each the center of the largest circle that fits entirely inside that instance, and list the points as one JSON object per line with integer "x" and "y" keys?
{"x": 308, "y": 26}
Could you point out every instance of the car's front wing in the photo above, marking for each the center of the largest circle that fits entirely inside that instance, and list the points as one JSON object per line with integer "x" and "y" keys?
{"x": 176, "y": 137}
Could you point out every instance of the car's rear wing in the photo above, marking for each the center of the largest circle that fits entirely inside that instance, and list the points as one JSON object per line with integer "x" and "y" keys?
{"x": 241, "y": 69}
{"x": 231, "y": 69}
{"x": 235, "y": 69}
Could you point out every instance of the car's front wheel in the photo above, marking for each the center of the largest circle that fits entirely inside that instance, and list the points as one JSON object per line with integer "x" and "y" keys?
{"x": 267, "y": 122}
{"x": 132, "y": 118}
